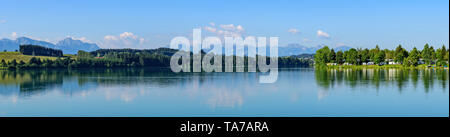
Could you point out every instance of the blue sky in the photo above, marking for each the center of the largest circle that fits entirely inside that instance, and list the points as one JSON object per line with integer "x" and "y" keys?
{"x": 149, "y": 24}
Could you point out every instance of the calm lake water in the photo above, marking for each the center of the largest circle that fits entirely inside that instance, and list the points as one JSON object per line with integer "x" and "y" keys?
{"x": 159, "y": 92}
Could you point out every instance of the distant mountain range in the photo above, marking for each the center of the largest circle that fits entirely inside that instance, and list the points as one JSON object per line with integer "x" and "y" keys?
{"x": 297, "y": 49}
{"x": 68, "y": 45}
{"x": 71, "y": 46}
{"x": 294, "y": 50}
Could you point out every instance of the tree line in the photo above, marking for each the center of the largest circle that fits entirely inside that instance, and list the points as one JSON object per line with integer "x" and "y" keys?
{"x": 36, "y": 50}
{"x": 428, "y": 55}
{"x": 109, "y": 58}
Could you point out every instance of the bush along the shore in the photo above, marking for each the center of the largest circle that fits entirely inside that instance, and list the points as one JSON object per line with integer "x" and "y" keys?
{"x": 125, "y": 58}
{"x": 382, "y": 58}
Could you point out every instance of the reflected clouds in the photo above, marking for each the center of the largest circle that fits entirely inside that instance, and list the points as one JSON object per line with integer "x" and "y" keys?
{"x": 217, "y": 90}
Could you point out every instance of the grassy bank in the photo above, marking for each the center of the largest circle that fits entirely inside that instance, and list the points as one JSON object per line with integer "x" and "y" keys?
{"x": 9, "y": 56}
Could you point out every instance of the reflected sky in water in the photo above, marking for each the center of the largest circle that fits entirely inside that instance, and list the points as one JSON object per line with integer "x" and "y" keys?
{"x": 159, "y": 92}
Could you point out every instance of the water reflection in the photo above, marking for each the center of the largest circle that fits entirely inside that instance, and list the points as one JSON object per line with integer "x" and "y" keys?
{"x": 36, "y": 82}
{"x": 147, "y": 91}
{"x": 329, "y": 78}
{"x": 31, "y": 82}
{"x": 126, "y": 84}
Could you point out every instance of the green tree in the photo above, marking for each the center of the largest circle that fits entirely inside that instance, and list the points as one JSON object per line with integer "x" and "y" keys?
{"x": 379, "y": 57}
{"x": 332, "y": 56}
{"x": 440, "y": 55}
{"x": 374, "y": 52}
{"x": 413, "y": 58}
{"x": 36, "y": 50}
{"x": 340, "y": 57}
{"x": 142, "y": 61}
{"x": 46, "y": 63}
{"x": 351, "y": 56}
{"x": 433, "y": 55}
{"x": 35, "y": 60}
{"x": 58, "y": 63}
{"x": 12, "y": 64}
{"x": 3, "y": 63}
{"x": 84, "y": 54}
{"x": 321, "y": 57}
{"x": 21, "y": 63}
{"x": 400, "y": 54}
{"x": 67, "y": 61}
{"x": 389, "y": 54}
{"x": 446, "y": 55}
{"x": 364, "y": 55}
{"x": 426, "y": 54}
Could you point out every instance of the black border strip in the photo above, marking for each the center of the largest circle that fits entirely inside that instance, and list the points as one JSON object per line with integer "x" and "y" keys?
{"x": 170, "y": 126}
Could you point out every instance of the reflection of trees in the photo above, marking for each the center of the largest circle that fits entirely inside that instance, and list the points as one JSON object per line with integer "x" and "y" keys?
{"x": 40, "y": 81}
{"x": 427, "y": 79}
{"x": 414, "y": 77}
{"x": 351, "y": 77}
{"x": 442, "y": 76}
{"x": 327, "y": 78}
{"x": 323, "y": 78}
{"x": 400, "y": 76}
{"x": 77, "y": 81}
{"x": 127, "y": 76}
{"x": 376, "y": 78}
{"x": 31, "y": 81}
{"x": 74, "y": 81}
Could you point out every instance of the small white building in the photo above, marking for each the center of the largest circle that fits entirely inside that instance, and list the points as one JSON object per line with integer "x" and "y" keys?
{"x": 370, "y": 63}
{"x": 347, "y": 64}
{"x": 393, "y": 63}
{"x": 331, "y": 64}
{"x": 421, "y": 61}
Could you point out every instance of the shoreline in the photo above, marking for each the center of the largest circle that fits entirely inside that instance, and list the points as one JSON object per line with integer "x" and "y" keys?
{"x": 314, "y": 67}
{"x": 423, "y": 66}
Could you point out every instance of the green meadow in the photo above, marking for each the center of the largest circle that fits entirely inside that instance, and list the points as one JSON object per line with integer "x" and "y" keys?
{"x": 9, "y": 56}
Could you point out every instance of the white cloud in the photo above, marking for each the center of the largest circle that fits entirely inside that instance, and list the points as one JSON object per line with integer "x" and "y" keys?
{"x": 293, "y": 31}
{"x": 110, "y": 37}
{"x": 227, "y": 26}
{"x": 2, "y": 21}
{"x": 14, "y": 35}
{"x": 231, "y": 34}
{"x": 128, "y": 35}
{"x": 210, "y": 29}
{"x": 226, "y": 30}
{"x": 83, "y": 39}
{"x": 239, "y": 28}
{"x": 322, "y": 34}
{"x": 124, "y": 40}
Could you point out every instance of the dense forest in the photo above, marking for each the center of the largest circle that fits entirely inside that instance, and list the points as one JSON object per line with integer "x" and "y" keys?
{"x": 35, "y": 50}
{"x": 109, "y": 58}
{"x": 106, "y": 52}
{"x": 428, "y": 55}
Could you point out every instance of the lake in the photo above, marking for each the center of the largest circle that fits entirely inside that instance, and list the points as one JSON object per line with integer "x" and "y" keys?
{"x": 299, "y": 92}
